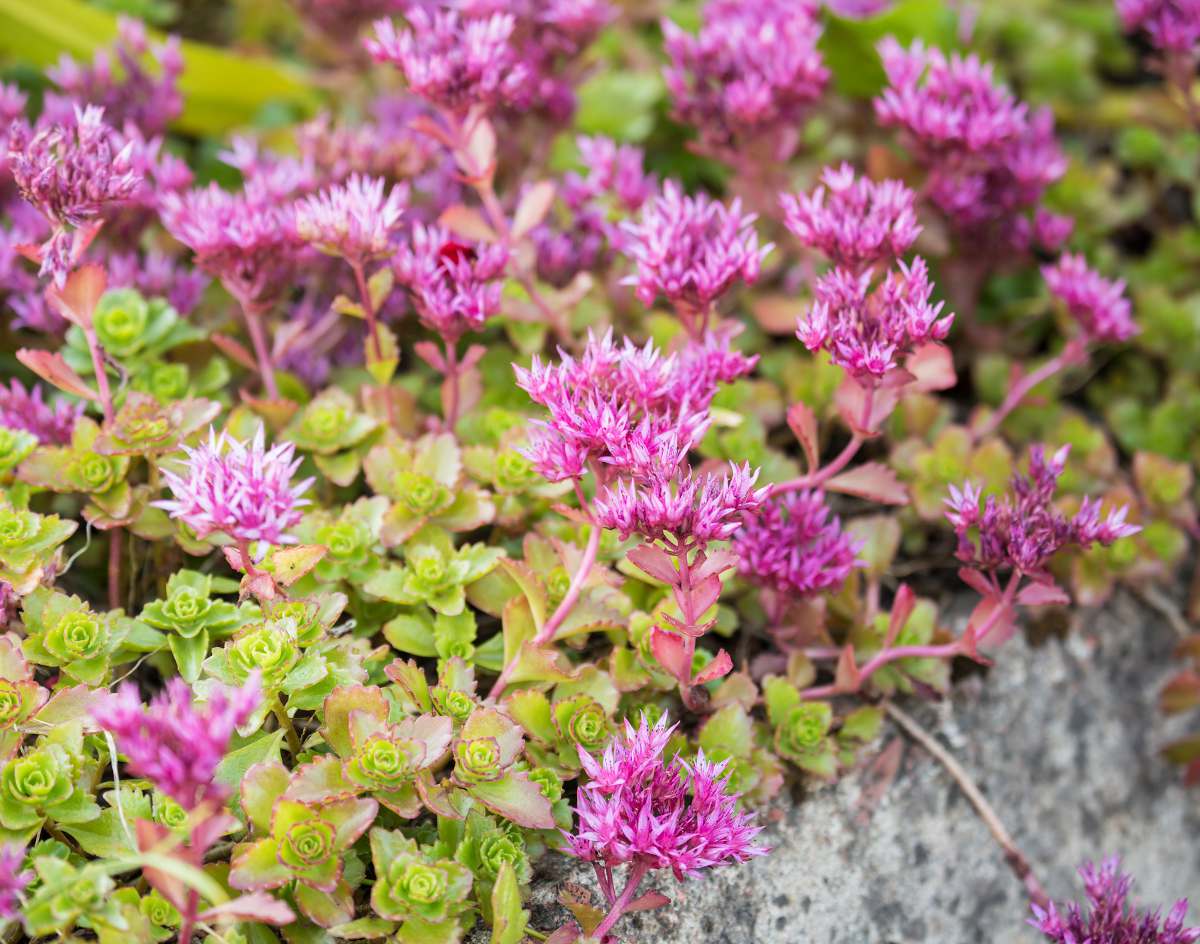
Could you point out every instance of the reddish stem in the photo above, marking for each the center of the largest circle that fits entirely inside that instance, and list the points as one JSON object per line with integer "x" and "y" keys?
{"x": 823, "y": 474}
{"x": 451, "y": 404}
{"x": 1073, "y": 353}
{"x": 98, "y": 368}
{"x": 368, "y": 306}
{"x": 115, "y": 544}
{"x": 262, "y": 352}
{"x": 637, "y": 871}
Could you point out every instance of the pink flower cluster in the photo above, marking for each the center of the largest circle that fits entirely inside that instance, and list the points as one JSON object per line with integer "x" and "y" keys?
{"x": 794, "y": 547}
{"x": 988, "y": 158}
{"x": 453, "y": 61}
{"x": 1022, "y": 531}
{"x": 354, "y": 220}
{"x": 854, "y": 221}
{"x": 157, "y": 275}
{"x": 752, "y": 71}
{"x": 1173, "y": 26}
{"x": 1097, "y": 304}
{"x": 635, "y": 808}
{"x": 455, "y": 287}
{"x": 27, "y": 410}
{"x": 129, "y": 93}
{"x": 72, "y": 173}
{"x": 171, "y": 742}
{"x": 681, "y": 509}
{"x": 241, "y": 490}
{"x": 692, "y": 250}
{"x": 622, "y": 408}
{"x": 1110, "y": 919}
{"x": 12, "y": 880}
{"x": 869, "y": 331}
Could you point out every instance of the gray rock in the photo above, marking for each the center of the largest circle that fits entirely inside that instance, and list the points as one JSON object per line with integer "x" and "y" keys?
{"x": 1063, "y": 740}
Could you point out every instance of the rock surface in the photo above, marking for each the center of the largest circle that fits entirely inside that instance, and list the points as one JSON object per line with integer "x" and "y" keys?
{"x": 1063, "y": 740}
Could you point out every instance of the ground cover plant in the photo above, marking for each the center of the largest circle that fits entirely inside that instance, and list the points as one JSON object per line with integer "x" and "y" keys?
{"x": 440, "y": 436}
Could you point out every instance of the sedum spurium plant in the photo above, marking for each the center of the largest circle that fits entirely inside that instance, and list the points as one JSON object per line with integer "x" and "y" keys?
{"x": 514, "y": 490}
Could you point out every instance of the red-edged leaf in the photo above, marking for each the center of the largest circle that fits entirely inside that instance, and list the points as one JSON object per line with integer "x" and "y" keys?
{"x": 567, "y": 934}
{"x": 976, "y": 581}
{"x": 431, "y": 354}
{"x": 851, "y": 400}
{"x": 704, "y": 594}
{"x": 902, "y": 607}
{"x": 873, "y": 481}
{"x": 803, "y": 423}
{"x": 256, "y": 906}
{"x": 427, "y": 125}
{"x": 51, "y": 367}
{"x": 1181, "y": 694}
{"x": 477, "y": 160}
{"x": 720, "y": 666}
{"x": 654, "y": 561}
{"x": 516, "y": 798}
{"x": 473, "y": 356}
{"x": 932, "y": 367}
{"x": 234, "y": 350}
{"x": 1043, "y": 594}
{"x": 647, "y": 902}
{"x": 673, "y": 653}
{"x": 468, "y": 223}
{"x": 712, "y": 562}
{"x": 847, "y": 677}
{"x": 77, "y": 299}
{"x": 992, "y": 623}
{"x": 534, "y": 205}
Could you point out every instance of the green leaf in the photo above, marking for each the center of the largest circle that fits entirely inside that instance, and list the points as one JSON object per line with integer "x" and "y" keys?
{"x": 508, "y": 917}
{"x": 411, "y": 633}
{"x": 222, "y": 90}
{"x": 516, "y": 798}
{"x": 262, "y": 748}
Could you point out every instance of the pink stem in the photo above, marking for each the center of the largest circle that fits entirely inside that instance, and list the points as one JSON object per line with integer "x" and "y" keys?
{"x": 451, "y": 407}
{"x": 637, "y": 872}
{"x": 814, "y": 479}
{"x": 1022, "y": 387}
{"x": 368, "y": 305}
{"x": 114, "y": 567}
{"x": 102, "y": 387}
{"x": 261, "y": 352}
{"x": 546, "y": 634}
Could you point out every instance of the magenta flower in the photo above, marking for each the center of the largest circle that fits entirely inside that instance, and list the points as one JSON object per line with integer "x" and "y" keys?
{"x": 354, "y": 220}
{"x": 452, "y": 61}
{"x": 613, "y": 169}
{"x": 679, "y": 507}
{"x": 27, "y": 410}
{"x": 640, "y": 810}
{"x": 853, "y": 221}
{"x": 157, "y": 275}
{"x": 455, "y": 287}
{"x": 692, "y": 250}
{"x": 12, "y": 880}
{"x": 793, "y": 546}
{"x": 1023, "y": 531}
{"x": 249, "y": 244}
{"x": 752, "y": 70}
{"x": 130, "y": 93}
{"x": 241, "y": 490}
{"x": 1110, "y": 919}
{"x": 1173, "y": 26}
{"x": 72, "y": 173}
{"x": 174, "y": 744}
{"x": 869, "y": 331}
{"x": 1098, "y": 305}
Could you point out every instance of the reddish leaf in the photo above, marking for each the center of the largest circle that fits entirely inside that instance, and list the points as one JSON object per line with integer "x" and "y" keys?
{"x": 473, "y": 356}
{"x": 1181, "y": 694}
{"x": 51, "y": 367}
{"x": 1184, "y": 751}
{"x": 776, "y": 314}
{"x": 847, "y": 678}
{"x": 976, "y": 581}
{"x": 431, "y": 354}
{"x": 720, "y": 666}
{"x": 235, "y": 351}
{"x": 468, "y": 223}
{"x": 703, "y": 595}
{"x": 77, "y": 299}
{"x": 932, "y": 367}
{"x": 851, "y": 400}
{"x": 992, "y": 624}
{"x": 567, "y": 934}
{"x": 477, "y": 160}
{"x": 1043, "y": 594}
{"x": 256, "y": 906}
{"x": 873, "y": 481}
{"x": 673, "y": 653}
{"x": 427, "y": 125}
{"x": 534, "y": 205}
{"x": 654, "y": 561}
{"x": 647, "y": 902}
{"x": 712, "y": 562}
{"x": 803, "y": 423}
{"x": 902, "y": 607}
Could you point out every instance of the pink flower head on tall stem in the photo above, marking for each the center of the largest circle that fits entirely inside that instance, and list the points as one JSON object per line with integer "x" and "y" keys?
{"x": 453, "y": 61}
{"x": 242, "y": 490}
{"x": 638, "y": 808}
{"x": 869, "y": 332}
{"x": 1110, "y": 918}
{"x": 1097, "y": 304}
{"x": 173, "y": 743}
{"x": 692, "y": 250}
{"x": 752, "y": 70}
{"x": 1023, "y": 530}
{"x": 73, "y": 174}
{"x": 794, "y": 547}
{"x": 455, "y": 287}
{"x": 854, "y": 221}
{"x": 354, "y": 220}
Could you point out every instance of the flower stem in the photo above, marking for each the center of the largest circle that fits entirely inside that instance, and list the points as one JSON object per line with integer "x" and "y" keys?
{"x": 285, "y": 722}
{"x": 115, "y": 545}
{"x": 93, "y": 343}
{"x": 262, "y": 353}
{"x": 1012, "y": 855}
{"x": 450, "y": 406}
{"x": 368, "y": 306}
{"x": 637, "y": 872}
{"x": 550, "y": 627}
{"x": 1070, "y": 355}
{"x": 188, "y": 921}
{"x": 823, "y": 474}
